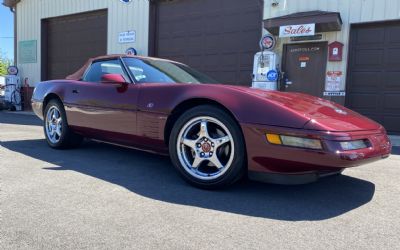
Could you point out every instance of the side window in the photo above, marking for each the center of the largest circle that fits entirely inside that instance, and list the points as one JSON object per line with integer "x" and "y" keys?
{"x": 97, "y": 69}
{"x": 145, "y": 71}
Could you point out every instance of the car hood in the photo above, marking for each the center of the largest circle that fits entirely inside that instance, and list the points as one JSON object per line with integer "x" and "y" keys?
{"x": 320, "y": 113}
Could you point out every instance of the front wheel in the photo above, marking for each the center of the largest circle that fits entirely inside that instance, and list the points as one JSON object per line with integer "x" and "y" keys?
{"x": 207, "y": 147}
{"x": 57, "y": 132}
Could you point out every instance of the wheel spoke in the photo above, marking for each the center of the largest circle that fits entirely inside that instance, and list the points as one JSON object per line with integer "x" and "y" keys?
{"x": 222, "y": 140}
{"x": 49, "y": 116}
{"x": 52, "y": 132}
{"x": 58, "y": 131}
{"x": 190, "y": 143}
{"x": 204, "y": 129}
{"x": 59, "y": 122}
{"x": 196, "y": 162}
{"x": 217, "y": 163}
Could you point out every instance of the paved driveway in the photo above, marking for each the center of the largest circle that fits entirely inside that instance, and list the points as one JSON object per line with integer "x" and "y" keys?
{"x": 101, "y": 196}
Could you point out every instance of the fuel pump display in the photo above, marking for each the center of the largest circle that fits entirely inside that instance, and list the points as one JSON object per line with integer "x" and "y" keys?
{"x": 265, "y": 72}
{"x": 265, "y": 65}
{"x": 12, "y": 89}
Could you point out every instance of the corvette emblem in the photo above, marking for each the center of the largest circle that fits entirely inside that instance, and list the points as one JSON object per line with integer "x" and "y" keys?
{"x": 206, "y": 147}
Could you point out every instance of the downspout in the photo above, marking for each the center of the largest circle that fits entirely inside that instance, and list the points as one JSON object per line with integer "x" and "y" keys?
{"x": 14, "y": 11}
{"x": 12, "y": 4}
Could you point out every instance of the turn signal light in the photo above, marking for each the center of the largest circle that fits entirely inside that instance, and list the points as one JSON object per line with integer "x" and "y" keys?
{"x": 294, "y": 141}
{"x": 274, "y": 139}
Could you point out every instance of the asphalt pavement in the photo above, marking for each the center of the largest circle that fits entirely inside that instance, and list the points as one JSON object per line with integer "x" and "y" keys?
{"x": 106, "y": 197}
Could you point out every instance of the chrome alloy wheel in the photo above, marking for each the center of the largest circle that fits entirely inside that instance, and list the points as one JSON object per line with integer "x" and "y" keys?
{"x": 205, "y": 148}
{"x": 53, "y": 124}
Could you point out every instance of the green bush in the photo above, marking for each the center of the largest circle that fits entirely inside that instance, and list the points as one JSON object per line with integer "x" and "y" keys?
{"x": 4, "y": 63}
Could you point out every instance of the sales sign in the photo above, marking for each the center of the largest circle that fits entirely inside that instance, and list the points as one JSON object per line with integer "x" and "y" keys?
{"x": 297, "y": 30}
{"x": 127, "y": 37}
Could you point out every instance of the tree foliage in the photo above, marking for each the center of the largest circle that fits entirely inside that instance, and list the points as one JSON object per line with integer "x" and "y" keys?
{"x": 4, "y": 63}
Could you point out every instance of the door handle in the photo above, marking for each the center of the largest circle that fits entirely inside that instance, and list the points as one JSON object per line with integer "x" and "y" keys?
{"x": 75, "y": 91}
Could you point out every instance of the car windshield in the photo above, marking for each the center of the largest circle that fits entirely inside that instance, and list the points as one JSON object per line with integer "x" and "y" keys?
{"x": 161, "y": 71}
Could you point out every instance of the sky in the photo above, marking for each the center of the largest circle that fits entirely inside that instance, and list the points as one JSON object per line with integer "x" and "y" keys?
{"x": 6, "y": 32}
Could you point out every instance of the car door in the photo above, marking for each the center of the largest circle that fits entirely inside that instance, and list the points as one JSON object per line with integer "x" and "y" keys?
{"x": 105, "y": 111}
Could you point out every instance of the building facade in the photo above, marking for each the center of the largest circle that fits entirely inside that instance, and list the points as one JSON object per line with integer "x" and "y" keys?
{"x": 345, "y": 51}
{"x": 366, "y": 78}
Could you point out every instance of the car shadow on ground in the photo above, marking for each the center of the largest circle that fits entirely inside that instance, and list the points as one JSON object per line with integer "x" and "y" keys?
{"x": 154, "y": 177}
{"x": 19, "y": 119}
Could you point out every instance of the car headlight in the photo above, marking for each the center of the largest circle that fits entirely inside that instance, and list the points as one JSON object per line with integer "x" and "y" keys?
{"x": 294, "y": 141}
{"x": 353, "y": 145}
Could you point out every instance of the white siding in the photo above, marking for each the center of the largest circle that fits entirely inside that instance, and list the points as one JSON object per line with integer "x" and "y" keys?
{"x": 135, "y": 16}
{"x": 351, "y": 11}
{"x": 121, "y": 17}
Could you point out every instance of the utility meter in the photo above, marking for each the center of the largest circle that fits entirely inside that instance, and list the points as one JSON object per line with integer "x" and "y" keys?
{"x": 265, "y": 70}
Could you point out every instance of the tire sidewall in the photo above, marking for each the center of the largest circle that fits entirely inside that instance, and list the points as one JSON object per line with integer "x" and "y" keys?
{"x": 237, "y": 166}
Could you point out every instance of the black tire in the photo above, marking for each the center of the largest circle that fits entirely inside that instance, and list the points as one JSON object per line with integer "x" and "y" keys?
{"x": 68, "y": 138}
{"x": 236, "y": 169}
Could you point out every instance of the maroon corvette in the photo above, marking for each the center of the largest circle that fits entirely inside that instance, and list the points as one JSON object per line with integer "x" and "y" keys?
{"x": 213, "y": 133}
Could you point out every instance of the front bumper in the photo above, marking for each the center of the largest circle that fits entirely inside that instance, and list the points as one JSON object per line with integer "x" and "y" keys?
{"x": 265, "y": 158}
{"x": 37, "y": 107}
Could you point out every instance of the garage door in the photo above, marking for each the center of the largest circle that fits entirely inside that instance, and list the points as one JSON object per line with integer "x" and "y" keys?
{"x": 373, "y": 86}
{"x": 71, "y": 40}
{"x": 217, "y": 37}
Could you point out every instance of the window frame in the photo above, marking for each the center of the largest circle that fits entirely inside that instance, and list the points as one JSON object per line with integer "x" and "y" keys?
{"x": 133, "y": 79}
{"x": 122, "y": 63}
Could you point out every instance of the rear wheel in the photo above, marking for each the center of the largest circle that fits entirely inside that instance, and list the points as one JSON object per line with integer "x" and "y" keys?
{"x": 207, "y": 147}
{"x": 57, "y": 132}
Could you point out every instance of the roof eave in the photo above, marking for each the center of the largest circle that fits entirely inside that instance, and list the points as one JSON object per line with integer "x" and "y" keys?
{"x": 10, "y": 3}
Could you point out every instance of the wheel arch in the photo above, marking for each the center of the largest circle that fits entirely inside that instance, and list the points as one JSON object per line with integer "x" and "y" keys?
{"x": 47, "y": 99}
{"x": 188, "y": 104}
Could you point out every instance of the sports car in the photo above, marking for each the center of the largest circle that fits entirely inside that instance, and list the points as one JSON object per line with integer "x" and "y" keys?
{"x": 214, "y": 133}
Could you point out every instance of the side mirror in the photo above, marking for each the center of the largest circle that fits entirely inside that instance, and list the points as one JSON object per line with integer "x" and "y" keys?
{"x": 113, "y": 79}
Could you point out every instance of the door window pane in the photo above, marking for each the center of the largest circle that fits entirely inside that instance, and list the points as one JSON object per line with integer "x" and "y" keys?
{"x": 97, "y": 69}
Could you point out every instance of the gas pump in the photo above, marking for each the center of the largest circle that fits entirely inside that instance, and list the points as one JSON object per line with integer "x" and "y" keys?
{"x": 12, "y": 89}
{"x": 265, "y": 70}
{"x": 265, "y": 66}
